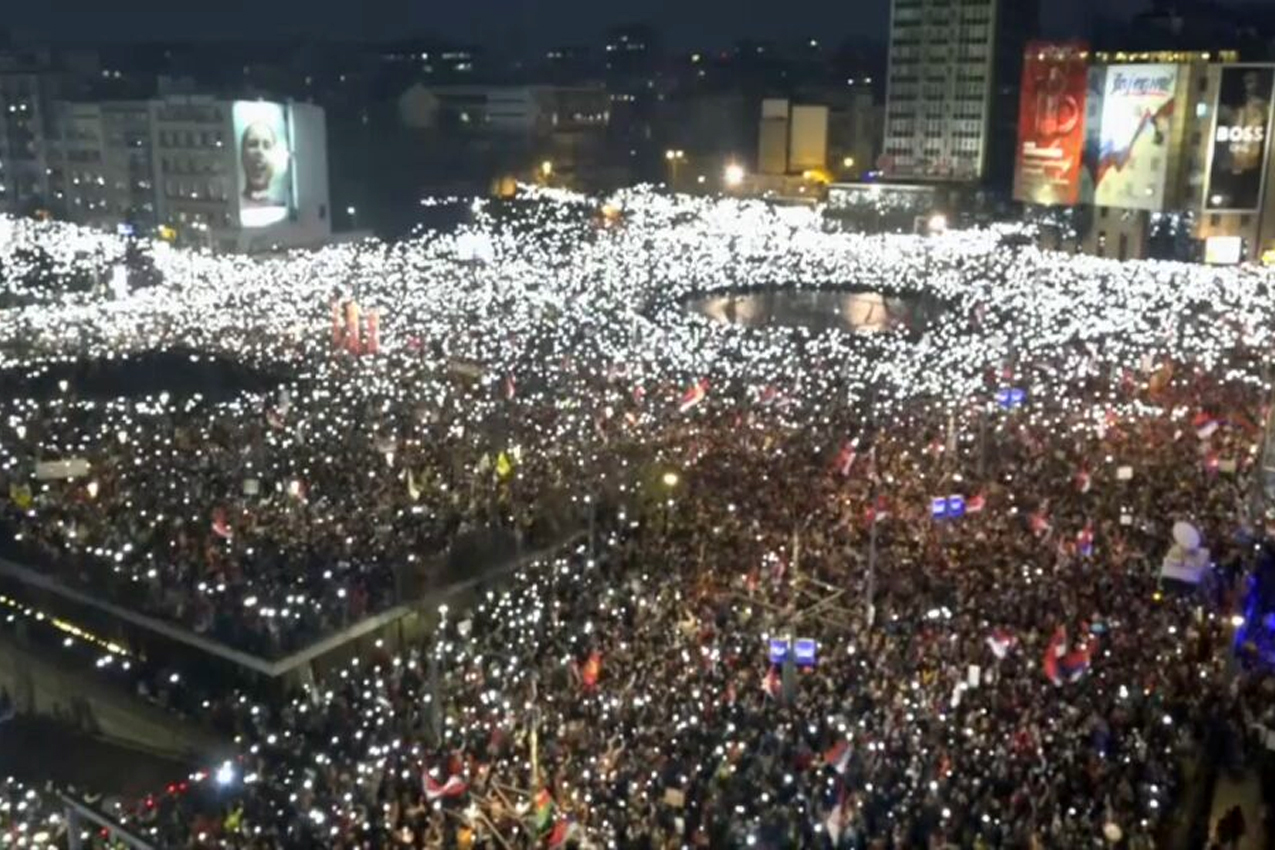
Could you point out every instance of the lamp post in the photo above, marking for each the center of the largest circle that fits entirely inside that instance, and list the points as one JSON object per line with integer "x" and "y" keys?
{"x": 674, "y": 157}
{"x": 354, "y": 217}
{"x": 733, "y": 176}
{"x": 670, "y": 480}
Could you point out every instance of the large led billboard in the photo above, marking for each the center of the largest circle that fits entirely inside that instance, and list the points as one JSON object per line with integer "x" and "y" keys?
{"x": 1136, "y": 133}
{"x": 264, "y": 162}
{"x": 1241, "y": 131}
{"x": 1051, "y": 124}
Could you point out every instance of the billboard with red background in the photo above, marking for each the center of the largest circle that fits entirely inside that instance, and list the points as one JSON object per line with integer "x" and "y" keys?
{"x": 1051, "y": 123}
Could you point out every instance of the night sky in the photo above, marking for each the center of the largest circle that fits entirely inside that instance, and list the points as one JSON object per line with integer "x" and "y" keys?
{"x": 529, "y": 24}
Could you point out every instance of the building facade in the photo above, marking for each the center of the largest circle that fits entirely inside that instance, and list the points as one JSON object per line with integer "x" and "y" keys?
{"x": 1149, "y": 154}
{"x": 226, "y": 175}
{"x": 946, "y": 99}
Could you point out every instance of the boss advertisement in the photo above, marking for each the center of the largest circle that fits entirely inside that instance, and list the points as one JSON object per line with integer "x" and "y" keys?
{"x": 265, "y": 181}
{"x": 1237, "y": 162}
{"x": 1051, "y": 124}
{"x": 1138, "y": 108}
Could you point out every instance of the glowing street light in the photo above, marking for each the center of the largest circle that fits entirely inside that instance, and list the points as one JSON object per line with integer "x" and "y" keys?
{"x": 937, "y": 223}
{"x": 734, "y": 175}
{"x": 670, "y": 479}
{"x": 847, "y": 162}
{"x": 546, "y": 169}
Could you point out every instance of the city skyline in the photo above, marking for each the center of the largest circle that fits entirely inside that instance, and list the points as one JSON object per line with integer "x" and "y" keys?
{"x": 500, "y": 24}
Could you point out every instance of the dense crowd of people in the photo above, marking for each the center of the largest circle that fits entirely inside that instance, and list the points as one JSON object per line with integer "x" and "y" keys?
{"x": 1018, "y": 675}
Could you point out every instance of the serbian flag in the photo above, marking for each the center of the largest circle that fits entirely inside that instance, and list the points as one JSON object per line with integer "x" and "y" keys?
{"x": 1205, "y": 425}
{"x": 1083, "y": 480}
{"x": 838, "y": 756}
{"x": 878, "y": 511}
{"x": 845, "y": 459}
{"x": 592, "y": 669}
{"x": 769, "y": 395}
{"x": 1001, "y": 641}
{"x": 975, "y": 504}
{"x": 1084, "y": 540}
{"x": 694, "y": 394}
{"x": 772, "y": 684}
{"x": 1063, "y": 665}
{"x": 511, "y": 388}
{"x": 452, "y": 788}
{"x": 563, "y": 831}
{"x": 1038, "y": 522}
{"x": 220, "y": 526}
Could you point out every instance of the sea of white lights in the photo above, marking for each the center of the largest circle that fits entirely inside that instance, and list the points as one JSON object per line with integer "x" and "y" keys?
{"x": 576, "y": 305}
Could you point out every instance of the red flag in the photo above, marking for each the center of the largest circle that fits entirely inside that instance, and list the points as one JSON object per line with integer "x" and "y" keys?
{"x": 772, "y": 684}
{"x": 453, "y": 787}
{"x": 837, "y": 756}
{"x": 975, "y": 504}
{"x": 1083, "y": 480}
{"x": 845, "y": 459}
{"x": 1001, "y": 641}
{"x": 878, "y": 511}
{"x": 220, "y": 526}
{"x": 592, "y": 669}
{"x": 694, "y": 394}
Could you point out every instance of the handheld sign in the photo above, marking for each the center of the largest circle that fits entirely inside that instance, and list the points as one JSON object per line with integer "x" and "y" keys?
{"x": 778, "y": 649}
{"x": 805, "y": 651}
{"x": 955, "y": 507}
{"x": 1011, "y": 397}
{"x": 938, "y": 508}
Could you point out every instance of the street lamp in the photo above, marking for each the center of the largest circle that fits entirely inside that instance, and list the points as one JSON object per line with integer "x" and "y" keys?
{"x": 734, "y": 175}
{"x": 354, "y": 217}
{"x": 670, "y": 480}
{"x": 937, "y": 223}
{"x": 847, "y": 163}
{"x": 546, "y": 169}
{"x": 675, "y": 158}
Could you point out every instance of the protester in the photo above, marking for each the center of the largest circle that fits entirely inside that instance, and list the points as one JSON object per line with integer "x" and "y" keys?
{"x": 1016, "y": 676}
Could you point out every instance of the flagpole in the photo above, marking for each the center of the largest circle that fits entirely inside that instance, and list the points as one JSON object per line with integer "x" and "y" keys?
{"x": 535, "y": 741}
{"x": 870, "y": 584}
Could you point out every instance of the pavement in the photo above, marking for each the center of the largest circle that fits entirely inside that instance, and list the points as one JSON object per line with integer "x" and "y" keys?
{"x": 38, "y": 750}
{"x": 1245, "y": 791}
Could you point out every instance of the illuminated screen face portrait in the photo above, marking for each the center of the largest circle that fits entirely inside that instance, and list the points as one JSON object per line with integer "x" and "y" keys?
{"x": 256, "y": 149}
{"x": 265, "y": 181}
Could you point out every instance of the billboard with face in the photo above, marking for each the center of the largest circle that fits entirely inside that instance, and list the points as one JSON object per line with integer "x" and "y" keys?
{"x": 1051, "y": 124}
{"x": 1237, "y": 158}
{"x": 263, "y": 144}
{"x": 1137, "y": 123}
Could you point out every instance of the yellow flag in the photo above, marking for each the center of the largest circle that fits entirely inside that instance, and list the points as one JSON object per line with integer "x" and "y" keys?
{"x": 20, "y": 495}
{"x": 504, "y": 466}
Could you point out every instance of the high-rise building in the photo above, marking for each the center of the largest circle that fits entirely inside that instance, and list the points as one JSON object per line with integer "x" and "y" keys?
{"x": 943, "y": 101}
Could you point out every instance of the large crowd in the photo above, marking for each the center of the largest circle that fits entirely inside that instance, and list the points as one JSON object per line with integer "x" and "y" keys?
{"x": 1018, "y": 676}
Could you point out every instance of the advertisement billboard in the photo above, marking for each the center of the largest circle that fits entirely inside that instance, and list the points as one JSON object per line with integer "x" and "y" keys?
{"x": 1241, "y": 125}
{"x": 1051, "y": 124}
{"x": 1137, "y": 128}
{"x": 264, "y": 162}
